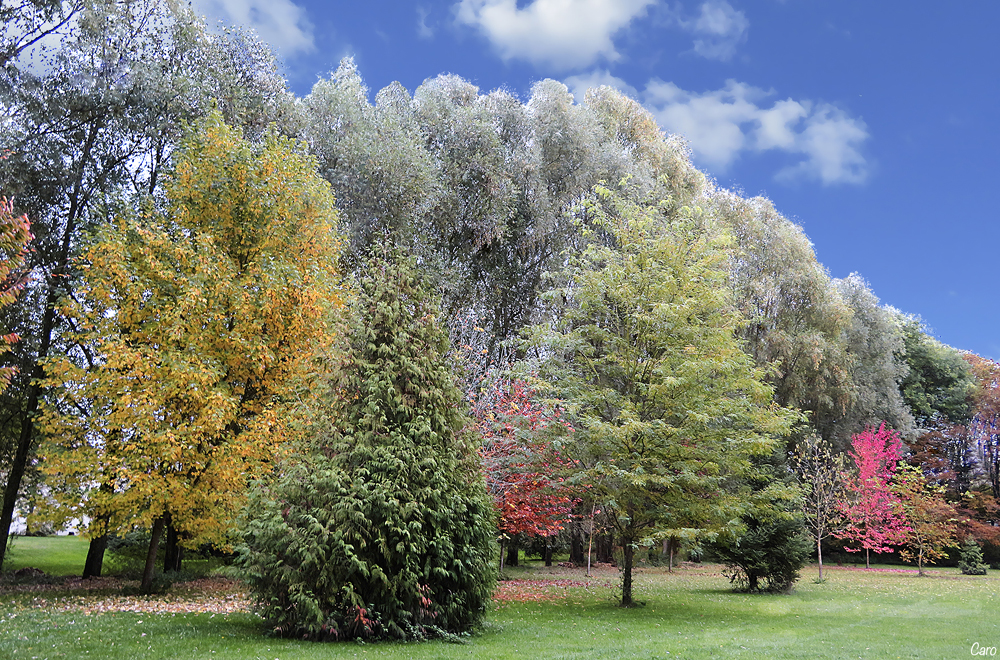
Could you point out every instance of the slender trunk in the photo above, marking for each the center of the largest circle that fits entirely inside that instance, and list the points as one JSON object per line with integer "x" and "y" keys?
{"x": 548, "y": 554}
{"x": 868, "y": 564}
{"x": 920, "y": 562}
{"x": 590, "y": 541}
{"x": 819, "y": 554}
{"x": 95, "y": 557}
{"x": 503, "y": 548}
{"x": 628, "y": 550}
{"x": 670, "y": 560}
{"x": 154, "y": 545}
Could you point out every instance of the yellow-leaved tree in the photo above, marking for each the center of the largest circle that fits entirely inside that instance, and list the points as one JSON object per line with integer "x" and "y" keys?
{"x": 198, "y": 324}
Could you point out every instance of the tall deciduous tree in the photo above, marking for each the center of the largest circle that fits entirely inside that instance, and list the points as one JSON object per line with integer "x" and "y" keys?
{"x": 201, "y": 319}
{"x": 641, "y": 347}
{"x": 872, "y": 509}
{"x": 383, "y": 528}
{"x": 90, "y": 122}
{"x": 939, "y": 385}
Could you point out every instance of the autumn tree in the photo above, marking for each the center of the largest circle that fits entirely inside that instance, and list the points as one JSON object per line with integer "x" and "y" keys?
{"x": 201, "y": 320}
{"x": 525, "y": 474}
{"x": 15, "y": 233}
{"x": 984, "y": 428}
{"x": 871, "y": 509}
{"x": 90, "y": 123}
{"x": 382, "y": 526}
{"x": 821, "y": 474}
{"x": 641, "y": 348}
{"x": 930, "y": 520}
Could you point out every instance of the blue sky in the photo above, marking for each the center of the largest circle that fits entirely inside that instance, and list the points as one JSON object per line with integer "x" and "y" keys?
{"x": 871, "y": 124}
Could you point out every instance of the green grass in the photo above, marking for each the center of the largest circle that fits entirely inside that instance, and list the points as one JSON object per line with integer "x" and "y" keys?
{"x": 689, "y": 614}
{"x": 56, "y": 555}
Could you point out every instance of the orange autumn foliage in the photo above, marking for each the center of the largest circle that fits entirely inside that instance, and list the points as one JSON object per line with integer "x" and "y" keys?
{"x": 200, "y": 320}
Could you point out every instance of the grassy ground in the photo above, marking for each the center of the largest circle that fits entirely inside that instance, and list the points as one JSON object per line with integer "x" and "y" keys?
{"x": 553, "y": 613}
{"x": 56, "y": 555}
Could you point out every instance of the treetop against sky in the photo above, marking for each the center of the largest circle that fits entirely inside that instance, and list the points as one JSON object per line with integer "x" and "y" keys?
{"x": 870, "y": 125}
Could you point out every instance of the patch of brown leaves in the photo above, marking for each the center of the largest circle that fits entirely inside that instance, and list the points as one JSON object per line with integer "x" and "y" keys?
{"x": 208, "y": 595}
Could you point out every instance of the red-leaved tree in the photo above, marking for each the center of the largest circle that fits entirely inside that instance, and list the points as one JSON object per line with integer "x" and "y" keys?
{"x": 15, "y": 234}
{"x": 522, "y": 467}
{"x": 872, "y": 510}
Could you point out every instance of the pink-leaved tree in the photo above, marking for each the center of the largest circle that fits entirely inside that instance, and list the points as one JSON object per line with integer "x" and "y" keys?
{"x": 872, "y": 510}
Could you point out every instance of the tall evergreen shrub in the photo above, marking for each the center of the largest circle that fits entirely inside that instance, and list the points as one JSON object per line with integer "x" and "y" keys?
{"x": 384, "y": 528}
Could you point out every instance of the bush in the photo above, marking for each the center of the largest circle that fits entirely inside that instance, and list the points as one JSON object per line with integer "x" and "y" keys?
{"x": 772, "y": 547}
{"x": 971, "y": 562}
{"x": 384, "y": 528}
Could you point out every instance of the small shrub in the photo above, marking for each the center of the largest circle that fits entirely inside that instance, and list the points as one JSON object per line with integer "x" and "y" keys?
{"x": 971, "y": 562}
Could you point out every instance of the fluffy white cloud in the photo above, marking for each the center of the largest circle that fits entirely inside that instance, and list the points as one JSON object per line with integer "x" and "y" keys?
{"x": 718, "y": 30}
{"x": 281, "y": 23}
{"x": 824, "y": 142}
{"x": 563, "y": 34}
{"x": 578, "y": 85}
{"x": 723, "y": 124}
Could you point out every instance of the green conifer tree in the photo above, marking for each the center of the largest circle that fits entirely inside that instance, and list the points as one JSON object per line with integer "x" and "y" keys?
{"x": 383, "y": 528}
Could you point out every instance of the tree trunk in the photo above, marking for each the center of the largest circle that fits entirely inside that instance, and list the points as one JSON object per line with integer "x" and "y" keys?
{"x": 548, "y": 554}
{"x": 503, "y": 548}
{"x": 605, "y": 549}
{"x": 154, "y": 545}
{"x": 868, "y": 564}
{"x": 628, "y": 550}
{"x": 670, "y": 560}
{"x": 172, "y": 552}
{"x": 512, "y": 552}
{"x": 576, "y": 546}
{"x": 95, "y": 557}
{"x": 819, "y": 554}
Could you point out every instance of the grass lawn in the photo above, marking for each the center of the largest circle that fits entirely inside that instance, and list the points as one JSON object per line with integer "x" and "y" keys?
{"x": 554, "y": 613}
{"x": 56, "y": 555}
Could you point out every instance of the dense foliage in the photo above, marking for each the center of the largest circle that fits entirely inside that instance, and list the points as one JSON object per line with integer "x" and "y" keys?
{"x": 642, "y": 350}
{"x": 177, "y": 296}
{"x": 197, "y": 321}
{"x": 382, "y": 527}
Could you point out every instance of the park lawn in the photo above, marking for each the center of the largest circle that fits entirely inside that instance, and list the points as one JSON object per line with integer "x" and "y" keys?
{"x": 688, "y": 614}
{"x": 55, "y": 555}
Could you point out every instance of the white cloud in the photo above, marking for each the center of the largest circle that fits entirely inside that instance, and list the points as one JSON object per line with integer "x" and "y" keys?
{"x": 424, "y": 31}
{"x": 563, "y": 34}
{"x": 724, "y": 124}
{"x": 578, "y": 85}
{"x": 718, "y": 30}
{"x": 281, "y": 23}
{"x": 721, "y": 126}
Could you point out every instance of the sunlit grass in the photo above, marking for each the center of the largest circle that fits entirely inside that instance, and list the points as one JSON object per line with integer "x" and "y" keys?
{"x": 55, "y": 555}
{"x": 690, "y": 613}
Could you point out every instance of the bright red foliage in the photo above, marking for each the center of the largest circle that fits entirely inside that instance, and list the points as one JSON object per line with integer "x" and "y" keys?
{"x": 875, "y": 520}
{"x": 520, "y": 463}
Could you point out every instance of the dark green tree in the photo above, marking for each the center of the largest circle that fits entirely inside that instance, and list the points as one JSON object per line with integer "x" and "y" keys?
{"x": 383, "y": 527}
{"x": 765, "y": 552}
{"x": 939, "y": 385}
{"x": 971, "y": 559}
